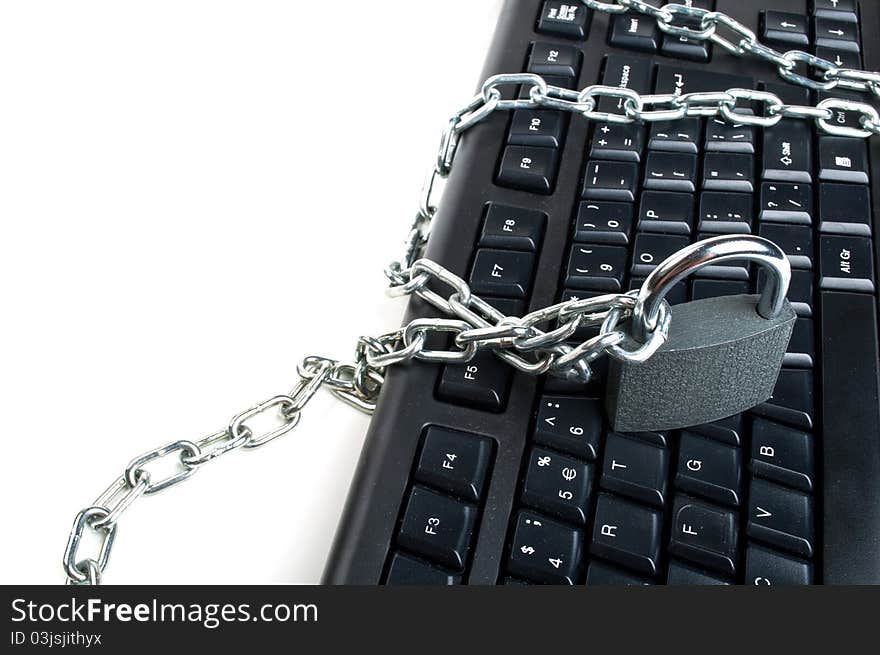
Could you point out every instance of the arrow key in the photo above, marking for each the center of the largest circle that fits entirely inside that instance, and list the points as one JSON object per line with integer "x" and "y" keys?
{"x": 783, "y": 27}
{"x": 832, "y": 33}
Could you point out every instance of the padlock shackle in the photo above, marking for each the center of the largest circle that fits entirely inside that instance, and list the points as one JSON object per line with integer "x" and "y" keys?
{"x": 709, "y": 252}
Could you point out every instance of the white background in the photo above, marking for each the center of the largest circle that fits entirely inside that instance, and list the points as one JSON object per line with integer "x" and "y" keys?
{"x": 193, "y": 196}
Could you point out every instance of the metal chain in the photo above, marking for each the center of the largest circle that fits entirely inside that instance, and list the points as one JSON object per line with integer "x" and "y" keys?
{"x": 696, "y": 24}
{"x": 536, "y": 343}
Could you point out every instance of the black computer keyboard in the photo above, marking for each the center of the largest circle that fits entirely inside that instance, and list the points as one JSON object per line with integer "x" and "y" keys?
{"x": 474, "y": 474}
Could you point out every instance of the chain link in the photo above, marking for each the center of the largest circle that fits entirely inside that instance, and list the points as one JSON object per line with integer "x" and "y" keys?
{"x": 534, "y": 344}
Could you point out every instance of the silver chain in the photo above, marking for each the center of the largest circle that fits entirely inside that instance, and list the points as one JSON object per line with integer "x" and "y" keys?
{"x": 536, "y": 343}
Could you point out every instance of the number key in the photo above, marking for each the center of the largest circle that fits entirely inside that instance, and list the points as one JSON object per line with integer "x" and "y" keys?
{"x": 596, "y": 267}
{"x": 558, "y": 485}
{"x": 570, "y": 424}
{"x": 604, "y": 222}
{"x": 545, "y": 551}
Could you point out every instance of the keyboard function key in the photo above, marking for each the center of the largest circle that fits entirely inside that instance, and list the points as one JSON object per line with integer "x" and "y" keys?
{"x": 555, "y": 59}
{"x": 502, "y": 273}
{"x": 482, "y": 383}
{"x": 529, "y": 168}
{"x": 457, "y": 462}
{"x": 438, "y": 527}
{"x": 513, "y": 228}
{"x": 537, "y": 127}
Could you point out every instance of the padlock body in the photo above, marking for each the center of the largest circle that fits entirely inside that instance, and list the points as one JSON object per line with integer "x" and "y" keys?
{"x": 721, "y": 358}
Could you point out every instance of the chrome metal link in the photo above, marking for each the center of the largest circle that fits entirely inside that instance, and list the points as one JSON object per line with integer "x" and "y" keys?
{"x": 536, "y": 343}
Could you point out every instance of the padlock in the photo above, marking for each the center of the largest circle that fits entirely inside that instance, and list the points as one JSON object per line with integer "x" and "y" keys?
{"x": 722, "y": 355}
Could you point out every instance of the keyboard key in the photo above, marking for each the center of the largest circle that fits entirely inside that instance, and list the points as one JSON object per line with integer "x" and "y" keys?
{"x": 634, "y": 32}
{"x": 625, "y": 72}
{"x": 558, "y": 485}
{"x": 513, "y": 228}
{"x": 788, "y": 152}
{"x": 677, "y": 295}
{"x": 784, "y": 28}
{"x": 704, "y": 534}
{"x": 843, "y": 117}
{"x": 457, "y": 462}
{"x": 598, "y": 268}
{"x": 833, "y": 33}
{"x": 845, "y": 209}
{"x": 728, "y": 430}
{"x": 790, "y": 94}
{"x": 603, "y": 575}
{"x": 651, "y": 249}
{"x": 618, "y": 142}
{"x": 838, "y": 9}
{"x": 570, "y": 424}
{"x": 545, "y": 551}
{"x": 555, "y": 59}
{"x": 680, "y": 574}
{"x": 627, "y": 534}
{"x": 787, "y": 203}
{"x": 666, "y": 211}
{"x": 722, "y": 136}
{"x": 669, "y": 171}
{"x": 438, "y": 527}
{"x": 676, "y": 136}
{"x": 843, "y": 159}
{"x": 800, "y": 349}
{"x": 726, "y": 213}
{"x": 703, "y": 288}
{"x": 765, "y": 568}
{"x": 800, "y": 291}
{"x": 728, "y": 172}
{"x": 683, "y": 78}
{"x": 536, "y": 127}
{"x": 482, "y": 383}
{"x": 782, "y": 454}
{"x": 709, "y": 469}
{"x": 502, "y": 273}
{"x": 507, "y": 306}
{"x": 604, "y": 222}
{"x": 840, "y": 57}
{"x": 570, "y": 20}
{"x": 406, "y": 570}
{"x": 634, "y": 468}
{"x": 528, "y": 168}
{"x": 608, "y": 180}
{"x": 792, "y": 399}
{"x": 846, "y": 264}
{"x": 781, "y": 517}
{"x": 796, "y": 242}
